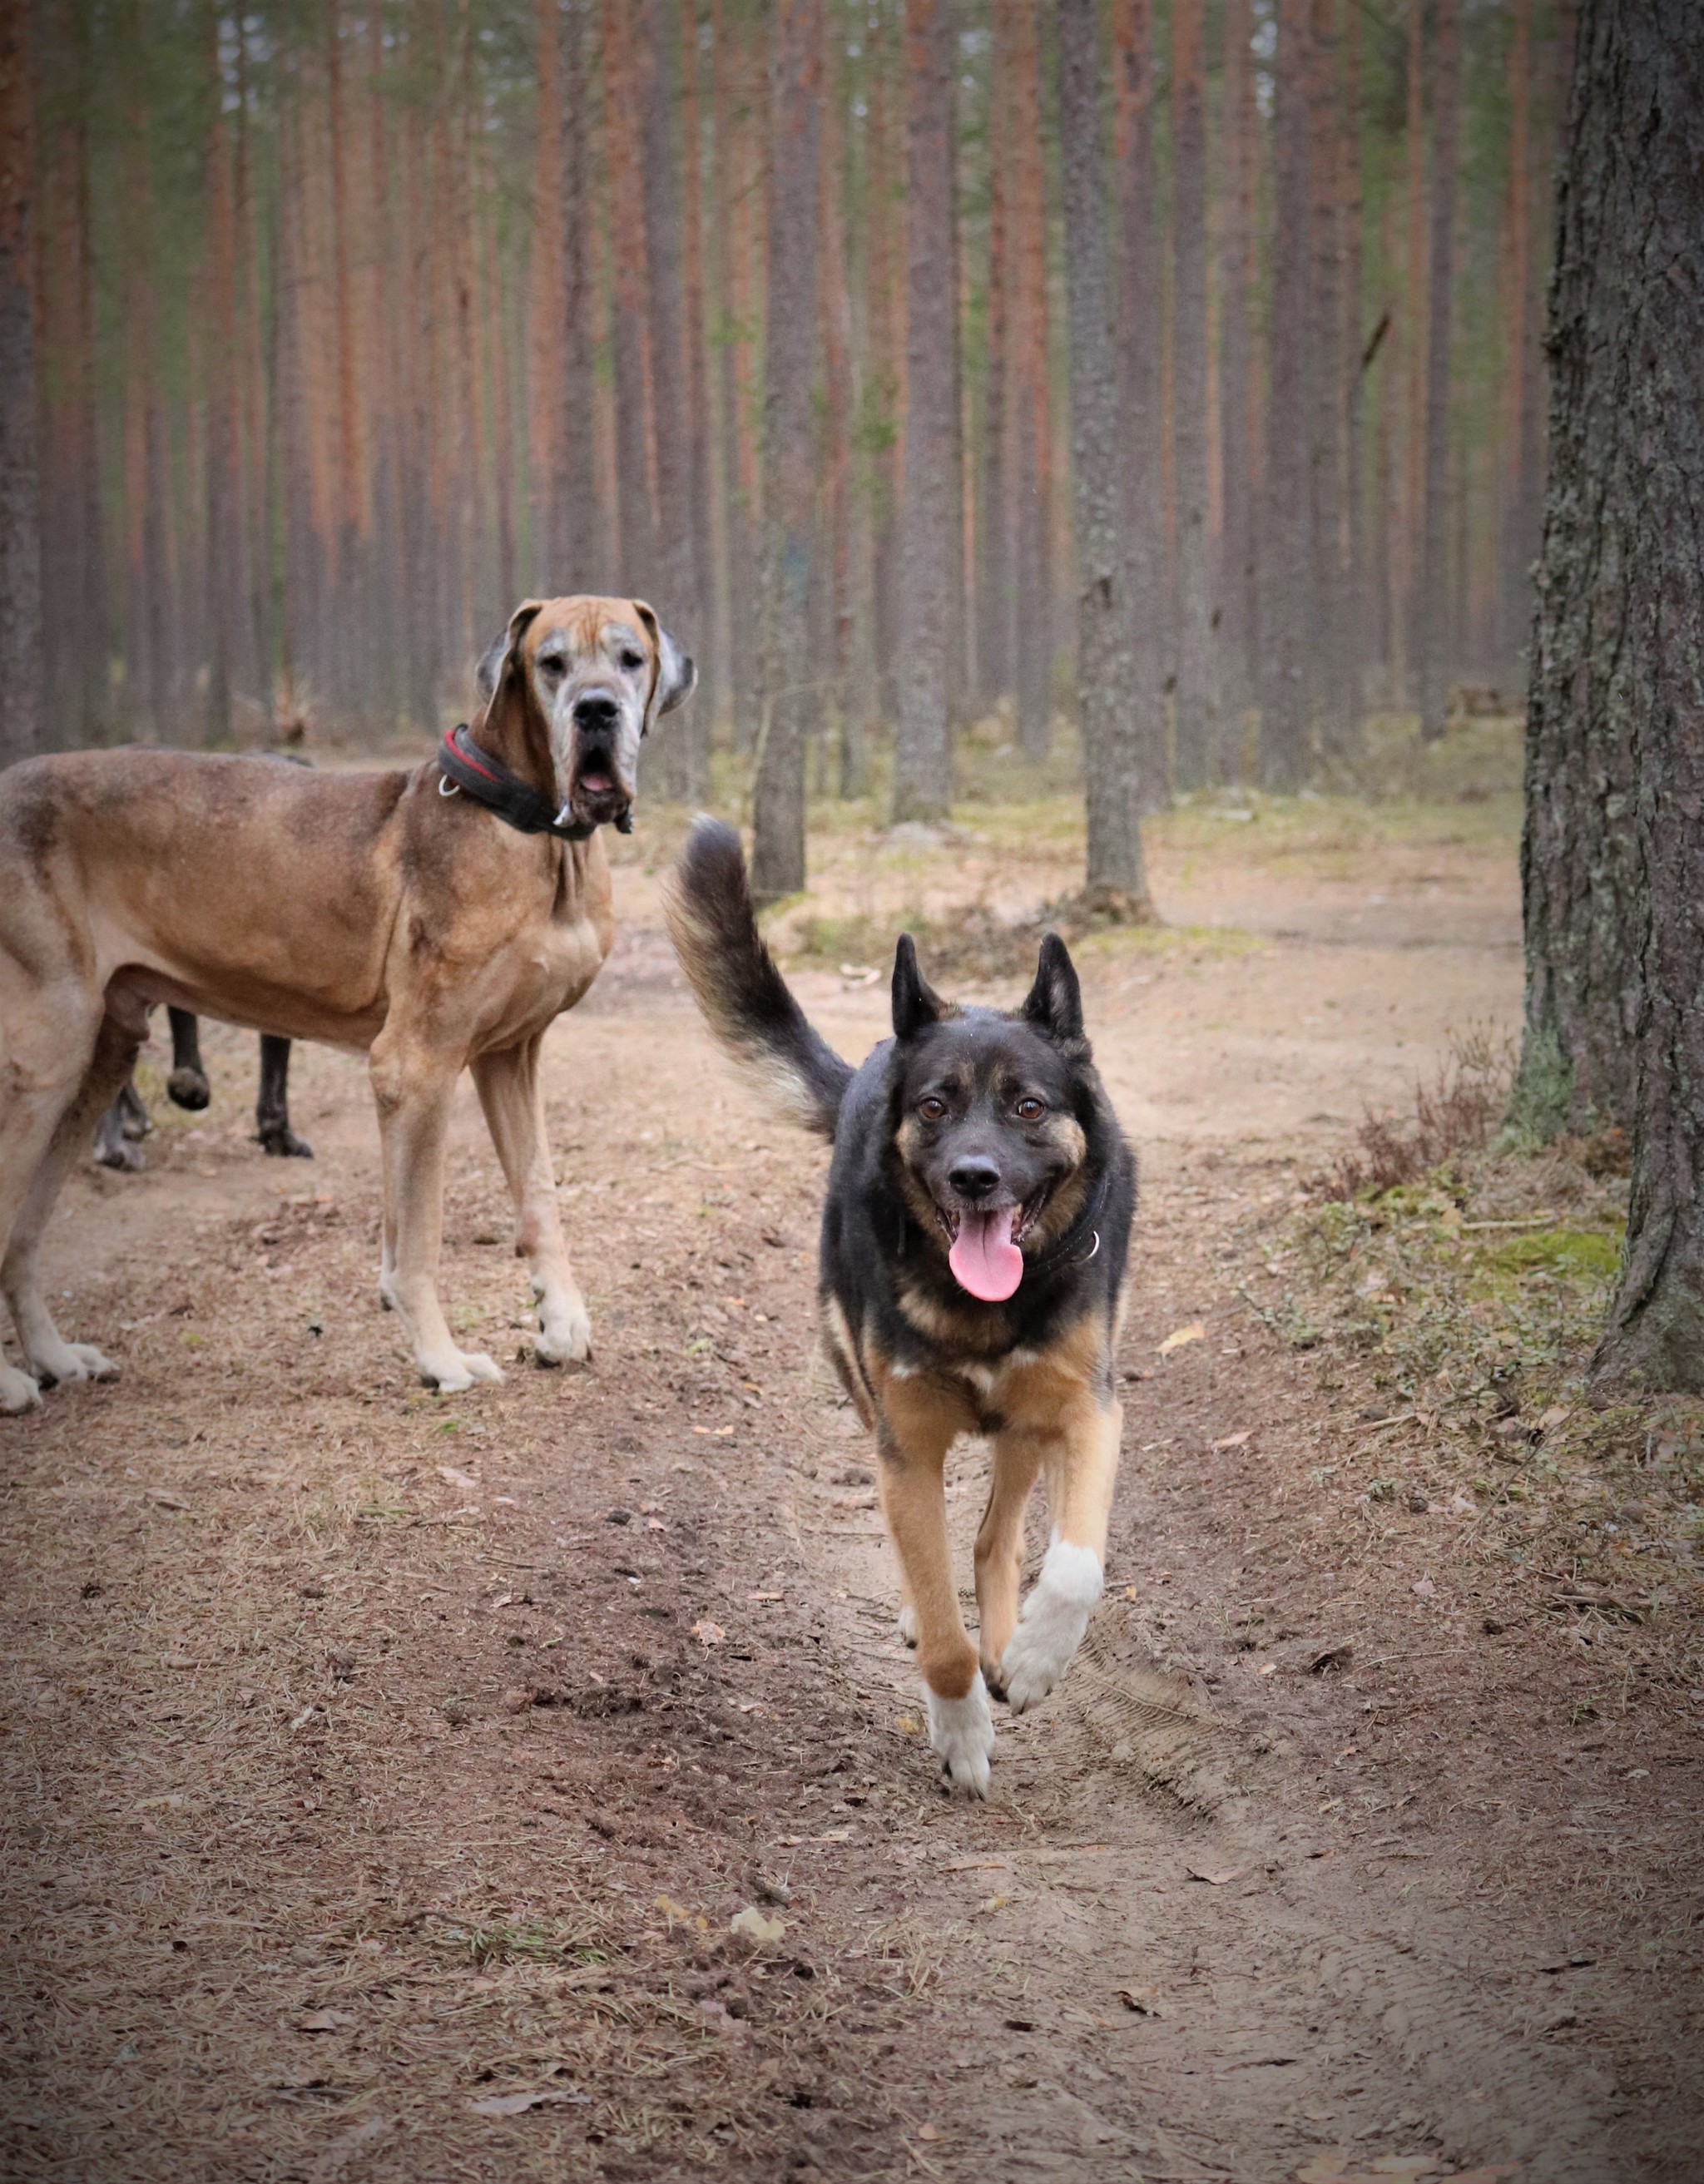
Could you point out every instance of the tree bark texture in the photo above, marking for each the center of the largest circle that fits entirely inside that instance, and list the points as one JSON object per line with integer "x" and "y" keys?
{"x": 1236, "y": 576}
{"x": 1117, "y": 879}
{"x": 1032, "y": 631}
{"x": 994, "y": 572}
{"x": 1616, "y": 768}
{"x": 789, "y": 513}
{"x": 931, "y": 507}
{"x": 1434, "y": 617}
{"x": 1287, "y": 602}
{"x": 636, "y": 547}
{"x": 1329, "y": 636}
{"x": 1195, "y": 714}
{"x": 580, "y": 554}
{"x": 21, "y": 728}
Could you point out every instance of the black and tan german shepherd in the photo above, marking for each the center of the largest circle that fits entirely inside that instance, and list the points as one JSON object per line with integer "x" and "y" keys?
{"x": 973, "y": 1251}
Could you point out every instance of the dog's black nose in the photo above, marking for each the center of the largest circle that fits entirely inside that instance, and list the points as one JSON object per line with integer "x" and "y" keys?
{"x": 595, "y": 710}
{"x": 974, "y": 1178}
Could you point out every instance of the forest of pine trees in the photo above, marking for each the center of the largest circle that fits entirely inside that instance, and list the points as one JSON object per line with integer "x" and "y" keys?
{"x": 354, "y": 323}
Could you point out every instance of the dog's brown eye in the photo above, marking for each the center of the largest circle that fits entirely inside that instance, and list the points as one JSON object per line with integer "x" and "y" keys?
{"x": 932, "y": 1109}
{"x": 633, "y": 661}
{"x": 1031, "y": 1111}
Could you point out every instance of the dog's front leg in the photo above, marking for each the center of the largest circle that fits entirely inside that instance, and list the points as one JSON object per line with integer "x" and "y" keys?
{"x": 913, "y": 1439}
{"x": 1080, "y": 1456}
{"x": 511, "y": 1089}
{"x": 413, "y": 1085}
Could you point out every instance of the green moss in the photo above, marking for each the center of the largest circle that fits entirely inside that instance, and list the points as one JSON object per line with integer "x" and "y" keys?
{"x": 1541, "y": 1103}
{"x": 1577, "y": 1252}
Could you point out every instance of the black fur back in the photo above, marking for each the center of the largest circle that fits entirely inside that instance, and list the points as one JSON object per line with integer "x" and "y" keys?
{"x": 707, "y": 903}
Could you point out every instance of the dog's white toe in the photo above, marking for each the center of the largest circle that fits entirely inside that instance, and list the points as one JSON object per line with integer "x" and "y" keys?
{"x": 18, "y": 1391}
{"x": 908, "y": 1624}
{"x": 469, "y": 1366}
{"x": 1050, "y": 1628}
{"x": 72, "y": 1361}
{"x": 962, "y": 1734}
{"x": 565, "y": 1341}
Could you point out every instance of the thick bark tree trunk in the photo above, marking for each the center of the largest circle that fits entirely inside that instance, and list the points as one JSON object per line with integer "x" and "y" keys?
{"x": 21, "y": 666}
{"x": 1325, "y": 355}
{"x": 994, "y": 531}
{"x": 931, "y": 507}
{"x": 1236, "y": 542}
{"x": 778, "y": 863}
{"x": 1197, "y": 734}
{"x": 1032, "y": 624}
{"x": 1116, "y": 878}
{"x": 545, "y": 322}
{"x": 224, "y": 560}
{"x": 676, "y": 761}
{"x": 581, "y": 553}
{"x": 1616, "y": 738}
{"x": 1434, "y": 617}
{"x": 712, "y": 668}
{"x": 1286, "y": 602}
{"x": 636, "y": 550}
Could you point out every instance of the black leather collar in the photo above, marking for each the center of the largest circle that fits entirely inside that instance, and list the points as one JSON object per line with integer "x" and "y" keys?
{"x": 1071, "y": 1244}
{"x": 478, "y": 775}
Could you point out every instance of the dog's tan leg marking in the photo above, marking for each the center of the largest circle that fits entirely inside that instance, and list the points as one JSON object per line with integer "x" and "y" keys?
{"x": 49, "y": 1357}
{"x": 413, "y": 1089}
{"x": 511, "y": 1089}
{"x": 919, "y": 1425}
{"x": 1017, "y": 1460}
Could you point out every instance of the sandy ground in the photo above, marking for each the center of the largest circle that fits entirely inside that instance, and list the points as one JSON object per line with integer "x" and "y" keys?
{"x": 371, "y": 1758}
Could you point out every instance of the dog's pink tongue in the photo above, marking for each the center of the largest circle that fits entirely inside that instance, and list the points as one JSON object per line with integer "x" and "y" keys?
{"x": 983, "y": 1258}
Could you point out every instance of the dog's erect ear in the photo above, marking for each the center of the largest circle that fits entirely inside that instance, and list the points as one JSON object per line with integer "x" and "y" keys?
{"x": 916, "y": 1003}
{"x": 505, "y": 652}
{"x": 676, "y": 674}
{"x": 1055, "y": 1002}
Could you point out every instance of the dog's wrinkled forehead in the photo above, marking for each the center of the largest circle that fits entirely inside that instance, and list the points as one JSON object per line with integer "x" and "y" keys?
{"x": 589, "y": 633}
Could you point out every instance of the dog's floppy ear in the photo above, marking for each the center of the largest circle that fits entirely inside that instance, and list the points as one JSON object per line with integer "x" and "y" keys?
{"x": 1055, "y": 1002}
{"x": 676, "y": 674}
{"x": 916, "y": 1003}
{"x": 497, "y": 656}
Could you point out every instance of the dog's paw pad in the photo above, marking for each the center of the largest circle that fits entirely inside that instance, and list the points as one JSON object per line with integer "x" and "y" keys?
{"x": 961, "y": 1735}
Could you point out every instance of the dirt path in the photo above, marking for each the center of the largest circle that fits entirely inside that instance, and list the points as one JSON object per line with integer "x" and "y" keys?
{"x": 370, "y": 1758}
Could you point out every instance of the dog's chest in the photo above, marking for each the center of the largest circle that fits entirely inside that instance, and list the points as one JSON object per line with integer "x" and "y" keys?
{"x": 552, "y": 966}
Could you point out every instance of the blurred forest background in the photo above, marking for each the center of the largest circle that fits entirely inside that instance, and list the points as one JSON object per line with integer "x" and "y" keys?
{"x": 356, "y": 322}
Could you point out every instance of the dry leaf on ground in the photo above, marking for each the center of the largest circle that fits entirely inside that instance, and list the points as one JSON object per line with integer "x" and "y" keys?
{"x": 753, "y": 1922}
{"x": 1144, "y": 2000}
{"x": 1235, "y": 1441}
{"x": 708, "y": 1633}
{"x": 1216, "y": 1879}
{"x": 1195, "y": 1332}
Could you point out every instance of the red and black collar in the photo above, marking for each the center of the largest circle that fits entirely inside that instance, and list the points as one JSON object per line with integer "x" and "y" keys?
{"x": 479, "y": 776}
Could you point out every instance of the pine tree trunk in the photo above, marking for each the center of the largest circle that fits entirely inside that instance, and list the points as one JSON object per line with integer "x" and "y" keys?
{"x": 742, "y": 136}
{"x": 931, "y": 505}
{"x": 547, "y": 322}
{"x": 1197, "y": 728}
{"x": 1236, "y": 370}
{"x": 1117, "y": 882}
{"x": 789, "y": 513}
{"x": 1033, "y": 622}
{"x": 1618, "y": 695}
{"x": 676, "y": 760}
{"x": 1520, "y": 438}
{"x": 1434, "y": 617}
{"x": 22, "y": 729}
{"x": 831, "y": 568}
{"x": 581, "y": 554}
{"x": 223, "y": 559}
{"x": 1287, "y": 602}
{"x": 636, "y": 548}
{"x": 1325, "y": 358}
{"x": 708, "y": 639}
{"x": 1354, "y": 365}
{"x": 993, "y": 573}
{"x": 1414, "y": 354}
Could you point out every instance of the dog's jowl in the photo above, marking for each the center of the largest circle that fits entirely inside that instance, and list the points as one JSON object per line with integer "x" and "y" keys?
{"x": 973, "y": 1251}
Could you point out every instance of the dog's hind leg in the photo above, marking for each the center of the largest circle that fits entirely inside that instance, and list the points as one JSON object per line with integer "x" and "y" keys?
{"x": 49, "y": 1357}
{"x": 187, "y": 1085}
{"x": 412, "y": 1086}
{"x": 116, "y": 1134}
{"x": 917, "y": 1430}
{"x": 1017, "y": 1458}
{"x": 1080, "y": 1455}
{"x": 272, "y": 1102}
{"x": 511, "y": 1088}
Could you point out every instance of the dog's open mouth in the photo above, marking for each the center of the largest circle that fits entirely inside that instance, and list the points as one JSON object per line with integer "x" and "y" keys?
{"x": 597, "y": 795}
{"x": 983, "y": 1245}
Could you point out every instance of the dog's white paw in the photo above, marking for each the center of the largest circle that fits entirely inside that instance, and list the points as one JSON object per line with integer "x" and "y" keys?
{"x": 63, "y": 1362}
{"x": 961, "y": 1735}
{"x": 18, "y": 1391}
{"x": 1050, "y": 1628}
{"x": 910, "y": 1629}
{"x": 455, "y": 1374}
{"x": 565, "y": 1338}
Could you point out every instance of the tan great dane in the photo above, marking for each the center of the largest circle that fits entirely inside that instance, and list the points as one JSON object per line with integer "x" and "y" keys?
{"x": 394, "y": 914}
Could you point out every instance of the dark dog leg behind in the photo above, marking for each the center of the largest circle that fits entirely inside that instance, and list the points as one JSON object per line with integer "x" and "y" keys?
{"x": 187, "y": 1084}
{"x": 123, "y": 1124}
{"x": 272, "y": 1107}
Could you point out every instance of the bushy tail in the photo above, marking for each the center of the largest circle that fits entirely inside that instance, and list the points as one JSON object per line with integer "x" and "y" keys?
{"x": 708, "y": 906}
